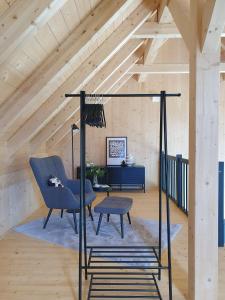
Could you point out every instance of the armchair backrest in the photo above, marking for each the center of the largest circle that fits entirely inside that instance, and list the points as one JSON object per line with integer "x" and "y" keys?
{"x": 46, "y": 166}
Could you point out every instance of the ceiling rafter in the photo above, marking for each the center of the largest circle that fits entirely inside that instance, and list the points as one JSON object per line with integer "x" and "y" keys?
{"x": 180, "y": 12}
{"x": 154, "y": 30}
{"x": 29, "y": 95}
{"x": 113, "y": 44}
{"x": 41, "y": 117}
{"x": 22, "y": 20}
{"x": 165, "y": 69}
{"x": 213, "y": 21}
{"x": 112, "y": 81}
{"x": 154, "y": 45}
{"x": 102, "y": 55}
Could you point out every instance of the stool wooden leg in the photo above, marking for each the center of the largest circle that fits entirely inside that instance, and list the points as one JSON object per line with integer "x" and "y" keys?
{"x": 122, "y": 229}
{"x": 99, "y": 223}
{"x": 128, "y": 215}
{"x": 108, "y": 215}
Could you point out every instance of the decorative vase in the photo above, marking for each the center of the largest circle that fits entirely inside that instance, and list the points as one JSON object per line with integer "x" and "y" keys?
{"x": 95, "y": 179}
{"x": 130, "y": 160}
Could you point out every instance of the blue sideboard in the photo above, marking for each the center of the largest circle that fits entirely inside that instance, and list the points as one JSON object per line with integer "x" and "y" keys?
{"x": 123, "y": 177}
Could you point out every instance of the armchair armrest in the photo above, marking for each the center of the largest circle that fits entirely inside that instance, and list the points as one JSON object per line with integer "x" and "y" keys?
{"x": 60, "y": 198}
{"x": 74, "y": 185}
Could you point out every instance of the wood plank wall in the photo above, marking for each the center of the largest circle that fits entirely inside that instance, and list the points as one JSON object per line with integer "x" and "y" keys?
{"x": 139, "y": 121}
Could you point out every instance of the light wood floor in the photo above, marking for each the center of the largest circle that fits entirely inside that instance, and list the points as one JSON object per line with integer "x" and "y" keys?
{"x": 34, "y": 270}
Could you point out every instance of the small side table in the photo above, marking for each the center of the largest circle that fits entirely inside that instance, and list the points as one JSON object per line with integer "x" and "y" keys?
{"x": 102, "y": 188}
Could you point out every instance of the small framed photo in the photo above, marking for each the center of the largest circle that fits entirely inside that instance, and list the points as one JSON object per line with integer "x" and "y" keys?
{"x": 116, "y": 150}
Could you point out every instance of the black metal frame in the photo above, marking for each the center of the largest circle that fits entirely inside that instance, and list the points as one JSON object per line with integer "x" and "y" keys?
{"x": 105, "y": 263}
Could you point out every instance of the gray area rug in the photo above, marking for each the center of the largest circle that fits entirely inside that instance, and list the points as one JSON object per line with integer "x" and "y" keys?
{"x": 61, "y": 232}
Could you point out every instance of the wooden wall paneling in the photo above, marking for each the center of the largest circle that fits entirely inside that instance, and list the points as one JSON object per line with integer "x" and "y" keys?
{"x": 22, "y": 19}
{"x": 40, "y": 118}
{"x": 18, "y": 198}
{"x": 98, "y": 59}
{"x": 73, "y": 45}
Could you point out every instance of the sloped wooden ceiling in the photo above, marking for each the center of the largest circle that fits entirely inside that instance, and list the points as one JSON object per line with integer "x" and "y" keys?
{"x": 52, "y": 47}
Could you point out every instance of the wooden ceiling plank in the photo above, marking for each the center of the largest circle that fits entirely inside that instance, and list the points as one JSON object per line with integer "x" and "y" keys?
{"x": 40, "y": 118}
{"x": 21, "y": 20}
{"x": 29, "y": 93}
{"x": 213, "y": 21}
{"x": 101, "y": 56}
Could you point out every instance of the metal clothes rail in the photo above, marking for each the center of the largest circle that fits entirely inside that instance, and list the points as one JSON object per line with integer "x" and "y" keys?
{"x": 121, "y": 272}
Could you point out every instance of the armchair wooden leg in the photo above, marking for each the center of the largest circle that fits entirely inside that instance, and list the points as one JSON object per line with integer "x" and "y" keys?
{"x": 90, "y": 212}
{"x": 99, "y": 223}
{"x": 61, "y": 213}
{"x": 48, "y": 216}
{"x": 129, "y": 219}
{"x": 75, "y": 222}
{"x": 121, "y": 224}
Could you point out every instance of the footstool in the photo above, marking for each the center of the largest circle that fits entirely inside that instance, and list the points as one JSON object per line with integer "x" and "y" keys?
{"x": 114, "y": 206}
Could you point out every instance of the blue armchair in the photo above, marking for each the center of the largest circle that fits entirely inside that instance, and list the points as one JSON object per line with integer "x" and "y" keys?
{"x": 67, "y": 197}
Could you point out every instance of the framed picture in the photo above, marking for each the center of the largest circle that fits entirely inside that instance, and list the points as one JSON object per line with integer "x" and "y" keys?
{"x": 116, "y": 150}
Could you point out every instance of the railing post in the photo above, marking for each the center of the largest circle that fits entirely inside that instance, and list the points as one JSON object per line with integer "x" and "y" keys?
{"x": 179, "y": 179}
{"x": 221, "y": 205}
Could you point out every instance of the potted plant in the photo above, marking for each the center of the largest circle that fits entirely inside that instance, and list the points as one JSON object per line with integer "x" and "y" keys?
{"x": 95, "y": 172}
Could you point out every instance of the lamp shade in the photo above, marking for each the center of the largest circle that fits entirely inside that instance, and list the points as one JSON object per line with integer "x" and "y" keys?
{"x": 74, "y": 127}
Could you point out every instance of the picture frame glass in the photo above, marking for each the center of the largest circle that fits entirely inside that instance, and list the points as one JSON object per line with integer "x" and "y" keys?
{"x": 116, "y": 150}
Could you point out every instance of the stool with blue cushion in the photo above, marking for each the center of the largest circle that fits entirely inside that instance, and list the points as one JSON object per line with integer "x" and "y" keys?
{"x": 114, "y": 206}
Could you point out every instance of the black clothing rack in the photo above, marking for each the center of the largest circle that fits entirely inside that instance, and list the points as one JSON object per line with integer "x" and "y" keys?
{"x": 124, "y": 279}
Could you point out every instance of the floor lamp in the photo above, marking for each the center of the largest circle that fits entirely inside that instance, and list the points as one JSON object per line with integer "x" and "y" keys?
{"x": 74, "y": 129}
